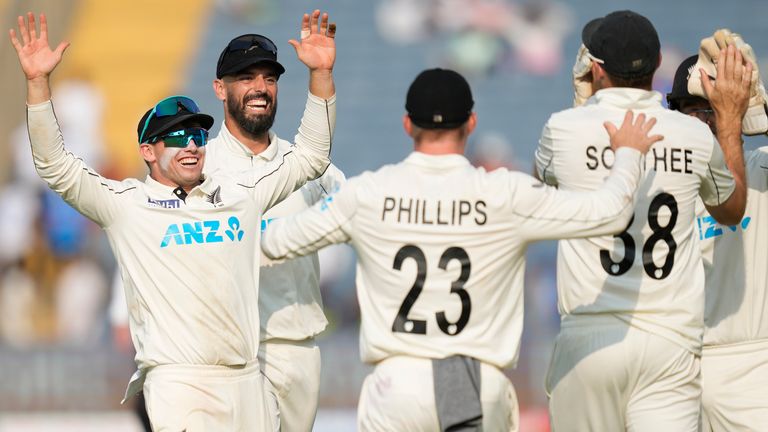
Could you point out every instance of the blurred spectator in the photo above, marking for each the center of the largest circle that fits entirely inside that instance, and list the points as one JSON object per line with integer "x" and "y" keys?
{"x": 81, "y": 298}
{"x": 17, "y": 298}
{"x": 404, "y": 21}
{"x": 53, "y": 276}
{"x": 251, "y": 12}
{"x": 491, "y": 150}
{"x": 480, "y": 37}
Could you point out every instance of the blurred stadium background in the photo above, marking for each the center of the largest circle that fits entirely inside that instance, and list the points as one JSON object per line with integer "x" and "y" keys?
{"x": 64, "y": 354}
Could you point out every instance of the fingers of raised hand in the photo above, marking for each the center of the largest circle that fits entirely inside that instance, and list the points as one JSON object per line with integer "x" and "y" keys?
{"x": 305, "y": 28}
{"x": 324, "y": 23}
{"x": 32, "y": 29}
{"x": 23, "y": 30}
{"x": 628, "y": 118}
{"x": 610, "y": 128}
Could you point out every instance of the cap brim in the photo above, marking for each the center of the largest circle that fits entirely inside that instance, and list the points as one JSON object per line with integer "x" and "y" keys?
{"x": 205, "y": 121}
{"x": 246, "y": 63}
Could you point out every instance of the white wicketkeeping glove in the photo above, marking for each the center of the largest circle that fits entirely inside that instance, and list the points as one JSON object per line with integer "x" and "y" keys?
{"x": 582, "y": 77}
{"x": 755, "y": 121}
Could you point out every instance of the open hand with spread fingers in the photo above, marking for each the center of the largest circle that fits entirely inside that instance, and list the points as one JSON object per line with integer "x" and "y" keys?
{"x": 730, "y": 97}
{"x": 633, "y": 133}
{"x": 35, "y": 55}
{"x": 317, "y": 48}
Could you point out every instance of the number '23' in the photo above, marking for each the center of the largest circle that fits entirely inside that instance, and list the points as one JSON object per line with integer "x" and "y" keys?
{"x": 402, "y": 323}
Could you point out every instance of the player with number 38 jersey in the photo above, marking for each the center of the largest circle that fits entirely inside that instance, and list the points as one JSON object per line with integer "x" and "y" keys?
{"x": 651, "y": 273}
{"x": 632, "y": 304}
{"x": 441, "y": 253}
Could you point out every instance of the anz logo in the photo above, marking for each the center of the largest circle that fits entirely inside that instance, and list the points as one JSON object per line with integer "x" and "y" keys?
{"x": 709, "y": 228}
{"x": 209, "y": 231}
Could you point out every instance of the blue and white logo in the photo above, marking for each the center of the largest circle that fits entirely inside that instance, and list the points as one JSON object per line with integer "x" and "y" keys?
{"x": 200, "y": 232}
{"x": 709, "y": 228}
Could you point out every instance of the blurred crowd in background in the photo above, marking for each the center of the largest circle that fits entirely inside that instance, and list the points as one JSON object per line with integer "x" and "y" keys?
{"x": 64, "y": 343}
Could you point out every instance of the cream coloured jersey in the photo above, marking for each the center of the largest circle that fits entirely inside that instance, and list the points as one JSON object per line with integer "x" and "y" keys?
{"x": 189, "y": 266}
{"x": 736, "y": 264}
{"x": 290, "y": 305}
{"x": 649, "y": 275}
{"x": 441, "y": 249}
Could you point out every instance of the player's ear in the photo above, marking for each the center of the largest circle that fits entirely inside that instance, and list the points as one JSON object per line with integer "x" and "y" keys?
{"x": 218, "y": 88}
{"x": 471, "y": 123}
{"x": 147, "y": 152}
{"x": 407, "y": 125}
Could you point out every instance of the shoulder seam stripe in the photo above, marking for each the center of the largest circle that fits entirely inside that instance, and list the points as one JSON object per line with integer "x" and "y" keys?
{"x": 717, "y": 189}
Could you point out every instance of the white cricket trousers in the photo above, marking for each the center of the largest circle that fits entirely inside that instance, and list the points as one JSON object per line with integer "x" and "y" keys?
{"x": 734, "y": 382}
{"x": 608, "y": 376}
{"x": 399, "y": 396}
{"x": 202, "y": 398}
{"x": 292, "y": 369}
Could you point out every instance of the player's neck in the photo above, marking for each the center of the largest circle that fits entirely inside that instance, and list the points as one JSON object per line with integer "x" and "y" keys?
{"x": 255, "y": 143}
{"x": 442, "y": 147}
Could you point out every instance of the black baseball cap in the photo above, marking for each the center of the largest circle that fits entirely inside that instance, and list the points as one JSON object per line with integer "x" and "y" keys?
{"x": 167, "y": 114}
{"x": 439, "y": 99}
{"x": 624, "y": 42}
{"x": 247, "y": 50}
{"x": 680, "y": 83}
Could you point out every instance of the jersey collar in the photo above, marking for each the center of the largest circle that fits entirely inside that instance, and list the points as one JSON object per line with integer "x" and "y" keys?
{"x": 628, "y": 98}
{"x": 437, "y": 162}
{"x": 234, "y": 145}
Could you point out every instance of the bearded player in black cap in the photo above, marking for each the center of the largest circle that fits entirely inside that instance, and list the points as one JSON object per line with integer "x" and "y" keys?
{"x": 441, "y": 251}
{"x": 734, "y": 359}
{"x": 290, "y": 305}
{"x": 632, "y": 304}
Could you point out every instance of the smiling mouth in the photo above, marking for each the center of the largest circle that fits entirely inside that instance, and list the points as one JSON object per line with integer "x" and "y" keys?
{"x": 256, "y": 105}
{"x": 188, "y": 161}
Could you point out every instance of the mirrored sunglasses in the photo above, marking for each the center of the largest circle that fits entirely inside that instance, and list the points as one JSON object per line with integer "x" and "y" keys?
{"x": 181, "y": 138}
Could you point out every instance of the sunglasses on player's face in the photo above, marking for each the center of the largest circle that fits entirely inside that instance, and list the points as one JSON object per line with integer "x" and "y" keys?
{"x": 168, "y": 107}
{"x": 182, "y": 137}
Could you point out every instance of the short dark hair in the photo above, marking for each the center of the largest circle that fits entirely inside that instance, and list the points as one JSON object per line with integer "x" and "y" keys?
{"x": 642, "y": 81}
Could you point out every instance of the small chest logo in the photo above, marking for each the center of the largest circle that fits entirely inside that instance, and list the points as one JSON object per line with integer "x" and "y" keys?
{"x": 199, "y": 232}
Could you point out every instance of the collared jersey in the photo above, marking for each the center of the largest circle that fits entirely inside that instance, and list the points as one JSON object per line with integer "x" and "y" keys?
{"x": 189, "y": 266}
{"x": 650, "y": 275}
{"x": 441, "y": 249}
{"x": 736, "y": 264}
{"x": 290, "y": 303}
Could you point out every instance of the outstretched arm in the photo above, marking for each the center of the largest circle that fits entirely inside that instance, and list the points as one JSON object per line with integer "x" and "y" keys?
{"x": 93, "y": 196}
{"x": 549, "y": 213}
{"x": 317, "y": 50}
{"x": 36, "y": 57}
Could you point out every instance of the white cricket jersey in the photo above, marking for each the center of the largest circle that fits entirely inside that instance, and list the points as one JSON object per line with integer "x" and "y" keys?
{"x": 736, "y": 264}
{"x": 190, "y": 267}
{"x": 441, "y": 249}
{"x": 650, "y": 275}
{"x": 290, "y": 304}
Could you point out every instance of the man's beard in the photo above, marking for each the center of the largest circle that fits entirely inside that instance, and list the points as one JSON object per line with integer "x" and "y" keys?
{"x": 252, "y": 125}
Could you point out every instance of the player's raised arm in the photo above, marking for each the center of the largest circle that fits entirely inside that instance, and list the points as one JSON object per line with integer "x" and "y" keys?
{"x": 64, "y": 173}
{"x": 314, "y": 228}
{"x": 36, "y": 57}
{"x": 729, "y": 100}
{"x": 550, "y": 213}
{"x": 317, "y": 50}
